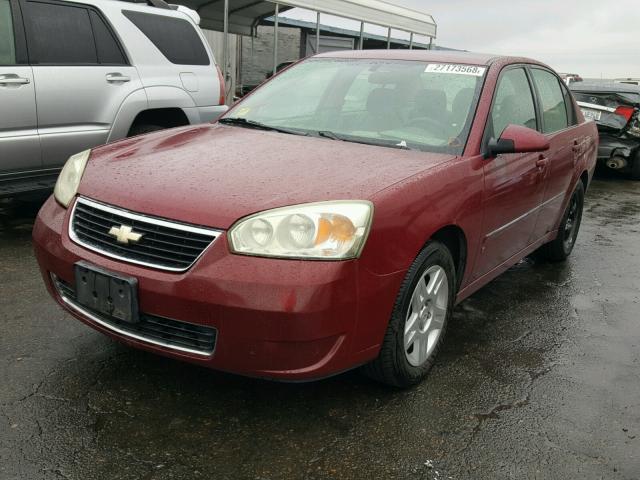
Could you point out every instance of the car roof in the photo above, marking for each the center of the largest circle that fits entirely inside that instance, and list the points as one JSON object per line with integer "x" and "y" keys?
{"x": 604, "y": 86}
{"x": 444, "y": 56}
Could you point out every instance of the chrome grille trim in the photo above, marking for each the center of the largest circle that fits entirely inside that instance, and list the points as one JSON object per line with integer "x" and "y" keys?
{"x": 145, "y": 219}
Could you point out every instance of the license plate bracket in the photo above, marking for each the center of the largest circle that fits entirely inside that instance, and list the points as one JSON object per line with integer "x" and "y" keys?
{"x": 109, "y": 294}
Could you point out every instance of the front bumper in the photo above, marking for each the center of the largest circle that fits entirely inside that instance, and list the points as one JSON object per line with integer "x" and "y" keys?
{"x": 282, "y": 319}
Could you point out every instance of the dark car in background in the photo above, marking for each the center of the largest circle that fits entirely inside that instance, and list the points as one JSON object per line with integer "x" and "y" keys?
{"x": 615, "y": 107}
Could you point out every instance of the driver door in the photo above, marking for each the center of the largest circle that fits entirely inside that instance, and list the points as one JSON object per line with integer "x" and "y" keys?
{"x": 514, "y": 183}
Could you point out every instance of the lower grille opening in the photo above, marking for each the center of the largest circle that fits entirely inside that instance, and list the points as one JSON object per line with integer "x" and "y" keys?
{"x": 183, "y": 336}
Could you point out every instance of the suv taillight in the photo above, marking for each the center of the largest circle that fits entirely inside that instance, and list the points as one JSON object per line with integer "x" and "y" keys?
{"x": 625, "y": 111}
{"x": 223, "y": 98}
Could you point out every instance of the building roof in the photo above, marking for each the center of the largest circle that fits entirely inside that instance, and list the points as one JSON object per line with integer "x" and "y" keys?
{"x": 331, "y": 30}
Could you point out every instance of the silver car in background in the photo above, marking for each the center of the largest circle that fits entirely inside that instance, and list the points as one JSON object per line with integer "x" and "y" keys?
{"x": 78, "y": 74}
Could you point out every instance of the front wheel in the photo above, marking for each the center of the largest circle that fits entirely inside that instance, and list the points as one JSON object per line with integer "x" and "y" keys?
{"x": 419, "y": 319}
{"x": 561, "y": 247}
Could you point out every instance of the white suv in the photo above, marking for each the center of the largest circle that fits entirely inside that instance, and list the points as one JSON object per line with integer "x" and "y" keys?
{"x": 76, "y": 74}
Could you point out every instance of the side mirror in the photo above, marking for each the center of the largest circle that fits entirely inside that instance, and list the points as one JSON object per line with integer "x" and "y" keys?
{"x": 517, "y": 139}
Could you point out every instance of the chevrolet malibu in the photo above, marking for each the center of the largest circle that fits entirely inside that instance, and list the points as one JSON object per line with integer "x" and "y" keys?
{"x": 332, "y": 219}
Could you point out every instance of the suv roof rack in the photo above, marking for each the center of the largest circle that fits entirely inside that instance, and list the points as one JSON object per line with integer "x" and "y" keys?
{"x": 154, "y": 3}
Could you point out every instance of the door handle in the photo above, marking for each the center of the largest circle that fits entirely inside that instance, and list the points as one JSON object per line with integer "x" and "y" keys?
{"x": 117, "y": 77}
{"x": 542, "y": 162}
{"x": 13, "y": 80}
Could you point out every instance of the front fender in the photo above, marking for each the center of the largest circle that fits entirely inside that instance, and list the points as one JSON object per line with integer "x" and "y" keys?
{"x": 409, "y": 213}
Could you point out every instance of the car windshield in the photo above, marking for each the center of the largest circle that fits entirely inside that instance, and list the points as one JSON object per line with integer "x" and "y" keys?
{"x": 402, "y": 104}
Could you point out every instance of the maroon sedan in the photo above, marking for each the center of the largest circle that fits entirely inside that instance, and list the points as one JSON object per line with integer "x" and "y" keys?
{"x": 332, "y": 219}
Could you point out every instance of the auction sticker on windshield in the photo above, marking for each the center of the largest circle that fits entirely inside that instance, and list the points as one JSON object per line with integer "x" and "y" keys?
{"x": 474, "y": 70}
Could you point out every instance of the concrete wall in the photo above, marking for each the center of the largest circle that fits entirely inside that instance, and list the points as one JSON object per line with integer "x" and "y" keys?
{"x": 257, "y": 53}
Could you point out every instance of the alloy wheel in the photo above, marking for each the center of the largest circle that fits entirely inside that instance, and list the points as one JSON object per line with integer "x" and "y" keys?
{"x": 426, "y": 315}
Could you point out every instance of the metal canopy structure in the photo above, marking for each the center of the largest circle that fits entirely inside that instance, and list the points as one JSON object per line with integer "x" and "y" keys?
{"x": 245, "y": 15}
{"x": 242, "y": 17}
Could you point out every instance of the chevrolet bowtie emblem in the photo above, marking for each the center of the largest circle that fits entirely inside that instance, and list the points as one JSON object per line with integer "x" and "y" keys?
{"x": 124, "y": 234}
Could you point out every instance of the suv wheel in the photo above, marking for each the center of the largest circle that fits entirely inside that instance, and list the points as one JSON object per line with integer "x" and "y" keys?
{"x": 419, "y": 320}
{"x": 143, "y": 128}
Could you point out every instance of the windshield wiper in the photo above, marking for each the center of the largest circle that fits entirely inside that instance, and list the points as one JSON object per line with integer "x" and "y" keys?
{"x": 365, "y": 141}
{"x": 243, "y": 122}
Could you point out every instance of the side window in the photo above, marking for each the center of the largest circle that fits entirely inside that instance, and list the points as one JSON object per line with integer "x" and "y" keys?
{"x": 176, "y": 38}
{"x": 7, "y": 39}
{"x": 513, "y": 103}
{"x": 568, "y": 101}
{"x": 554, "y": 110}
{"x": 109, "y": 52}
{"x": 59, "y": 35}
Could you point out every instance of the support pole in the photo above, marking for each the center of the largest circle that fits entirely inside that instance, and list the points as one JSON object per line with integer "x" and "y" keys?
{"x": 389, "y": 38}
{"x": 430, "y": 43}
{"x": 225, "y": 43}
{"x": 411, "y": 41}
{"x": 275, "y": 40}
{"x": 317, "y": 32}
{"x": 361, "y": 46}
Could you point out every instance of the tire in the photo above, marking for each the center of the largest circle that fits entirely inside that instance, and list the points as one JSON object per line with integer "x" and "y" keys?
{"x": 559, "y": 249}
{"x": 142, "y": 128}
{"x": 635, "y": 168}
{"x": 403, "y": 367}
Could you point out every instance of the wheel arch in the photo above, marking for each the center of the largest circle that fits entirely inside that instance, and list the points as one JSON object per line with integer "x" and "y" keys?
{"x": 584, "y": 178}
{"x": 454, "y": 238}
{"x": 163, "y": 117}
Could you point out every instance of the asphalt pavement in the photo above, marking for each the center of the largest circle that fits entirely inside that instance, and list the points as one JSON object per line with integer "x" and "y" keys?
{"x": 539, "y": 378}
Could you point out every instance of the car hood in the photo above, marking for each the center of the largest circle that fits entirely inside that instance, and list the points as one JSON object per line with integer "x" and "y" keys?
{"x": 213, "y": 175}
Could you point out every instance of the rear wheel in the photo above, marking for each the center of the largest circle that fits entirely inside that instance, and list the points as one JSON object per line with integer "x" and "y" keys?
{"x": 561, "y": 247}
{"x": 419, "y": 320}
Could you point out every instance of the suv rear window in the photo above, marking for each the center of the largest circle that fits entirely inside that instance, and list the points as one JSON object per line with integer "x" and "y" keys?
{"x": 69, "y": 35}
{"x": 176, "y": 38}
{"x": 59, "y": 35}
{"x": 7, "y": 42}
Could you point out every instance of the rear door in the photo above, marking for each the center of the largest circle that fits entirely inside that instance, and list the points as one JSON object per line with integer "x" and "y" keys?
{"x": 558, "y": 120}
{"x": 81, "y": 73}
{"x": 514, "y": 183}
{"x": 19, "y": 144}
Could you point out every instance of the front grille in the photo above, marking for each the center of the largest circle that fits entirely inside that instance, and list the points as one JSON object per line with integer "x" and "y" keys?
{"x": 164, "y": 244}
{"x": 165, "y": 332}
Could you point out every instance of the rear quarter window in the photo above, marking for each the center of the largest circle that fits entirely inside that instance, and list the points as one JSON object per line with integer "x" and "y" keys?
{"x": 176, "y": 38}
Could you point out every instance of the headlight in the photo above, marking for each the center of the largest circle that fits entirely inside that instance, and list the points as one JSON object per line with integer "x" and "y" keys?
{"x": 321, "y": 231}
{"x": 70, "y": 176}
